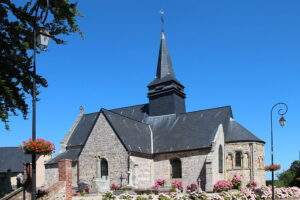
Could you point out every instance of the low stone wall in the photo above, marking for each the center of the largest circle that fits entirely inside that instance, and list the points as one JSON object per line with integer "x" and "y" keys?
{"x": 62, "y": 188}
{"x": 56, "y": 192}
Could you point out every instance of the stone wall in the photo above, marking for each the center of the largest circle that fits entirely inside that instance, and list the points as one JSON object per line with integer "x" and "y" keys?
{"x": 51, "y": 175}
{"x": 61, "y": 189}
{"x": 192, "y": 166}
{"x": 252, "y": 161}
{"x": 142, "y": 170}
{"x": 212, "y": 170}
{"x": 103, "y": 143}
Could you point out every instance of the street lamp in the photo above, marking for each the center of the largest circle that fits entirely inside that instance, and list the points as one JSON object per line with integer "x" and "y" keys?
{"x": 40, "y": 39}
{"x": 282, "y": 109}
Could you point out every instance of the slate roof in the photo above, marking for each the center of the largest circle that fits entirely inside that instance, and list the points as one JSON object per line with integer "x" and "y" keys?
{"x": 238, "y": 133}
{"x": 188, "y": 131}
{"x": 84, "y": 127}
{"x": 135, "y": 135}
{"x": 71, "y": 154}
{"x": 13, "y": 158}
{"x": 164, "y": 64}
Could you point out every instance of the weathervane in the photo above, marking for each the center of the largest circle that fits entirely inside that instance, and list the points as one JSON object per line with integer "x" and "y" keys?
{"x": 162, "y": 12}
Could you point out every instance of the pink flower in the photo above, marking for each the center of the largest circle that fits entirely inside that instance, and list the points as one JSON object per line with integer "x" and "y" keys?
{"x": 192, "y": 188}
{"x": 159, "y": 183}
{"x": 222, "y": 185}
{"x": 177, "y": 184}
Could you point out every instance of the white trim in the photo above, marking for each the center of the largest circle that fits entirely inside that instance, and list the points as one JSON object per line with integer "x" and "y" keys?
{"x": 151, "y": 138}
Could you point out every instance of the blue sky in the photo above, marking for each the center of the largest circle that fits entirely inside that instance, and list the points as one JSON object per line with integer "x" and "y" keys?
{"x": 239, "y": 53}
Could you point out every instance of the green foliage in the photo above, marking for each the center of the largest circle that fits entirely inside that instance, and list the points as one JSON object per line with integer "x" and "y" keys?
{"x": 289, "y": 177}
{"x": 108, "y": 196}
{"x": 17, "y": 19}
{"x": 140, "y": 197}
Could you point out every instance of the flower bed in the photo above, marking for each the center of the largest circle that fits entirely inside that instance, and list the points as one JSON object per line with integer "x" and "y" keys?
{"x": 262, "y": 193}
{"x": 38, "y": 146}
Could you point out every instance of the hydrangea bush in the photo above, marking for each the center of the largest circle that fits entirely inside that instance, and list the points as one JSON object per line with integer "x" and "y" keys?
{"x": 177, "y": 185}
{"x": 222, "y": 185}
{"x": 159, "y": 183}
{"x": 236, "y": 181}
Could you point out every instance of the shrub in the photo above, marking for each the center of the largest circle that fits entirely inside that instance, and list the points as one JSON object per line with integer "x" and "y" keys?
{"x": 236, "y": 181}
{"x": 115, "y": 187}
{"x": 159, "y": 183}
{"x": 222, "y": 185}
{"x": 251, "y": 185}
{"x": 83, "y": 187}
{"x": 164, "y": 197}
{"x": 140, "y": 197}
{"x": 177, "y": 185}
{"x": 108, "y": 196}
{"x": 192, "y": 188}
{"x": 126, "y": 197}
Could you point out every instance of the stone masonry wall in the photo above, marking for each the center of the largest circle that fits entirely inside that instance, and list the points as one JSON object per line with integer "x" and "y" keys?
{"x": 192, "y": 166}
{"x": 212, "y": 162}
{"x": 142, "y": 170}
{"x": 252, "y": 161}
{"x": 103, "y": 143}
{"x": 51, "y": 175}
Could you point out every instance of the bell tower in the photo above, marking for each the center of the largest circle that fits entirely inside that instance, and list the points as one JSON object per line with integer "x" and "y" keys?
{"x": 166, "y": 94}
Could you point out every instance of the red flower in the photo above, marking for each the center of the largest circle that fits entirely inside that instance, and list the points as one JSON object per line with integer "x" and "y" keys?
{"x": 273, "y": 167}
{"x": 38, "y": 146}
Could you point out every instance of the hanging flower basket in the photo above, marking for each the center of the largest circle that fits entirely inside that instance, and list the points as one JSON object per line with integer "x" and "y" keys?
{"x": 38, "y": 146}
{"x": 273, "y": 167}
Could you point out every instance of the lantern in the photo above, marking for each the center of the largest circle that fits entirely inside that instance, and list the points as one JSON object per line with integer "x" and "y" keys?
{"x": 42, "y": 38}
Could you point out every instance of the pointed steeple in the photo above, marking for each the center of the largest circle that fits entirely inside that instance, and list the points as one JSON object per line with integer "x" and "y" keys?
{"x": 166, "y": 94}
{"x": 164, "y": 63}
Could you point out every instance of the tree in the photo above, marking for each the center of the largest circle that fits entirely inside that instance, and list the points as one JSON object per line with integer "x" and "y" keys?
{"x": 290, "y": 177}
{"x": 16, "y": 45}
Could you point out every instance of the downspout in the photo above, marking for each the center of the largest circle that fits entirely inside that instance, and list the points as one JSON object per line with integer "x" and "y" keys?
{"x": 252, "y": 162}
{"x": 151, "y": 151}
{"x": 128, "y": 166}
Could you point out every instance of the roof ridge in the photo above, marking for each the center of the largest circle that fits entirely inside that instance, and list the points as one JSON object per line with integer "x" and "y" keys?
{"x": 125, "y": 116}
{"x": 207, "y": 109}
{"x": 91, "y": 113}
{"x": 128, "y": 106}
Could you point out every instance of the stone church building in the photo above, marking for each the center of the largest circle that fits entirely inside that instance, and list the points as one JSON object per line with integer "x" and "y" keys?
{"x": 138, "y": 144}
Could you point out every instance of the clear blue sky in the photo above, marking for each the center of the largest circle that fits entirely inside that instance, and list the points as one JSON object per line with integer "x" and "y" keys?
{"x": 239, "y": 53}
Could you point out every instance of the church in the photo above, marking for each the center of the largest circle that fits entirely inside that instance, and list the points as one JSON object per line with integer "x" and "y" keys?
{"x": 136, "y": 145}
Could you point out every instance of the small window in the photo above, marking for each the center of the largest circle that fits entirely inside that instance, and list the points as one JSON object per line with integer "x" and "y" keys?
{"x": 220, "y": 159}
{"x": 238, "y": 159}
{"x": 176, "y": 168}
{"x": 104, "y": 167}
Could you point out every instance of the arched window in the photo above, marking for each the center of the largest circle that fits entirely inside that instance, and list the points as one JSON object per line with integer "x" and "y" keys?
{"x": 238, "y": 159}
{"x": 176, "y": 168}
{"x": 220, "y": 159}
{"x": 104, "y": 167}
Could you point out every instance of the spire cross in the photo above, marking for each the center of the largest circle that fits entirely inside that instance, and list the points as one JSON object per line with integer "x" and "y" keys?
{"x": 162, "y": 12}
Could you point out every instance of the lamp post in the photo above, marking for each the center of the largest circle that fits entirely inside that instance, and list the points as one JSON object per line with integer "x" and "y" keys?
{"x": 40, "y": 39}
{"x": 282, "y": 109}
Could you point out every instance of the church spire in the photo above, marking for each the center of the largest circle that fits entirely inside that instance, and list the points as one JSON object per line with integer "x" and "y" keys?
{"x": 166, "y": 94}
{"x": 164, "y": 63}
